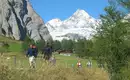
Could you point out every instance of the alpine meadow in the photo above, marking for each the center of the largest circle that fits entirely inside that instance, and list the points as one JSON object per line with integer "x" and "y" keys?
{"x": 80, "y": 47}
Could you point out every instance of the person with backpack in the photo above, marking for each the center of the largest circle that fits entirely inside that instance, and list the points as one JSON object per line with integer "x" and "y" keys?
{"x": 52, "y": 60}
{"x": 47, "y": 51}
{"x": 35, "y": 51}
{"x": 79, "y": 65}
{"x": 31, "y": 55}
{"x": 89, "y": 64}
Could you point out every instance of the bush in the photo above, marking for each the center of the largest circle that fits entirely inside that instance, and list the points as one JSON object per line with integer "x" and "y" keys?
{"x": 4, "y": 48}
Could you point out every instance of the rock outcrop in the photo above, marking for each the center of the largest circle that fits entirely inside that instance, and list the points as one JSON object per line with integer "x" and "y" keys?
{"x": 18, "y": 19}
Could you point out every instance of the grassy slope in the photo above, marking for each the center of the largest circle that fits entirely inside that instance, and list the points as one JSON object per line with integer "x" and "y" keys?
{"x": 15, "y": 46}
{"x": 6, "y": 39}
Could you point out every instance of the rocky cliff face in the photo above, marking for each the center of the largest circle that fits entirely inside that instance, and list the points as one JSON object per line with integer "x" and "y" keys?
{"x": 18, "y": 19}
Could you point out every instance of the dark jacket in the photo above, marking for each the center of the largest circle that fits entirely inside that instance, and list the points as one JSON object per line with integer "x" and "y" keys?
{"x": 47, "y": 50}
{"x": 35, "y": 51}
{"x": 31, "y": 52}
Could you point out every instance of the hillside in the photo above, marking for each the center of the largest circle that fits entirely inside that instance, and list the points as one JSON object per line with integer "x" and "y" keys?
{"x": 14, "y": 45}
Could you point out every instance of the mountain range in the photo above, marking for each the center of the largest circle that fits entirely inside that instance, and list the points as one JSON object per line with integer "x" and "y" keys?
{"x": 78, "y": 26}
{"x": 18, "y": 20}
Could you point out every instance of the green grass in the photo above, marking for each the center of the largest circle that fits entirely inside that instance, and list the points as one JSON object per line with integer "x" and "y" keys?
{"x": 14, "y": 45}
{"x": 44, "y": 72}
{"x": 67, "y": 61}
{"x": 7, "y": 39}
{"x": 73, "y": 60}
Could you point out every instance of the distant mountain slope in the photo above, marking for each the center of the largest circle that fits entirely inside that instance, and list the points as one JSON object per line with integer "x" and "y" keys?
{"x": 80, "y": 24}
{"x": 18, "y": 19}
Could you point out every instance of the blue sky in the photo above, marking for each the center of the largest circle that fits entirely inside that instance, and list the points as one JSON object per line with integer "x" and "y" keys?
{"x": 62, "y": 9}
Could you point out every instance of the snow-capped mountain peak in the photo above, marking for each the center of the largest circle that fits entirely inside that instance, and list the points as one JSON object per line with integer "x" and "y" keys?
{"x": 55, "y": 21}
{"x": 81, "y": 14}
{"x": 79, "y": 24}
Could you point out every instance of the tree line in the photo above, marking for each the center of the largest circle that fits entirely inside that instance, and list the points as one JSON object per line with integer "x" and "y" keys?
{"x": 81, "y": 47}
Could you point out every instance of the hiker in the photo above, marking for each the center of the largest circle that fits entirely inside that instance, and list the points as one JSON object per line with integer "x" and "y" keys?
{"x": 35, "y": 50}
{"x": 31, "y": 54}
{"x": 72, "y": 65}
{"x": 89, "y": 64}
{"x": 47, "y": 51}
{"x": 52, "y": 60}
{"x": 79, "y": 65}
{"x": 100, "y": 64}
